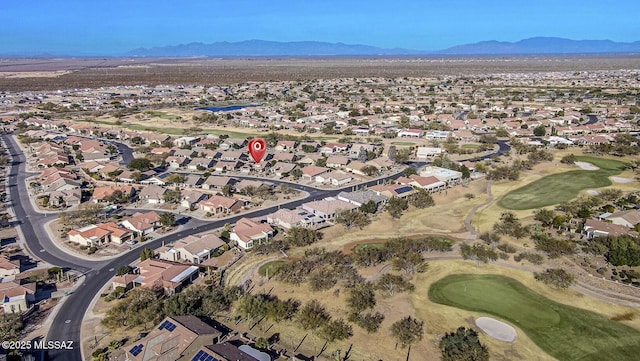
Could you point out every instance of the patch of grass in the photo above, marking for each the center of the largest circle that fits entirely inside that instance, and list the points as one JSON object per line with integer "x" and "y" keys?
{"x": 470, "y": 146}
{"x": 376, "y": 245}
{"x": 561, "y": 187}
{"x": 405, "y": 144}
{"x": 270, "y": 267}
{"x": 564, "y": 332}
{"x": 162, "y": 115}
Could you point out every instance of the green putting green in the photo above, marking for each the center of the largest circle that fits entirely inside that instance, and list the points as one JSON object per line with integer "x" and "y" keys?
{"x": 561, "y": 187}
{"x": 270, "y": 268}
{"x": 564, "y": 332}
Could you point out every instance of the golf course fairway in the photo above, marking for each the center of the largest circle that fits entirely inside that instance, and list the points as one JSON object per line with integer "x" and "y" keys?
{"x": 564, "y": 332}
{"x": 561, "y": 187}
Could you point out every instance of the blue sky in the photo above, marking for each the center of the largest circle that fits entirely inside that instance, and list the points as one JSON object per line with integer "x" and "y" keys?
{"x": 94, "y": 27}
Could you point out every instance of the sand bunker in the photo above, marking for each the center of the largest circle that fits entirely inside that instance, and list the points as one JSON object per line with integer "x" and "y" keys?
{"x": 497, "y": 329}
{"x": 593, "y": 192}
{"x": 622, "y": 180}
{"x": 586, "y": 166}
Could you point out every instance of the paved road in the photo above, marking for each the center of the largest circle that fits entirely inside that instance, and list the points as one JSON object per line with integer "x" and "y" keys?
{"x": 68, "y": 321}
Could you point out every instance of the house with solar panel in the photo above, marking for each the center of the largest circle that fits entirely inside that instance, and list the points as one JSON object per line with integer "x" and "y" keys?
{"x": 227, "y": 351}
{"x": 178, "y": 337}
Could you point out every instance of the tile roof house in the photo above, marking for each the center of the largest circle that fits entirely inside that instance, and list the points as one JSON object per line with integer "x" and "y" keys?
{"x": 99, "y": 234}
{"x": 358, "y": 198}
{"x": 9, "y": 268}
{"x": 310, "y": 172}
{"x": 16, "y": 298}
{"x": 394, "y": 190}
{"x": 192, "y": 249}
{"x": 158, "y": 274}
{"x": 221, "y": 205}
{"x": 152, "y": 194}
{"x": 101, "y": 194}
{"x": 288, "y": 218}
{"x": 629, "y": 218}
{"x": 327, "y": 207}
{"x": 595, "y": 228}
{"x": 247, "y": 231}
{"x": 217, "y": 182}
{"x": 175, "y": 338}
{"x": 142, "y": 223}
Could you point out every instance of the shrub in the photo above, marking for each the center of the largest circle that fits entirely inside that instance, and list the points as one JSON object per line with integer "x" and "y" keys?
{"x": 93, "y": 249}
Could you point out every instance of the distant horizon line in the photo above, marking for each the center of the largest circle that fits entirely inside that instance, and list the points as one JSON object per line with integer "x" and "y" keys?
{"x": 365, "y": 49}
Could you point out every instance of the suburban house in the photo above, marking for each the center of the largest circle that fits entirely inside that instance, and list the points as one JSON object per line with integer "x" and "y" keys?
{"x": 65, "y": 198}
{"x": 595, "y": 228}
{"x": 16, "y": 298}
{"x": 152, "y": 194}
{"x": 431, "y": 183}
{"x": 8, "y": 268}
{"x": 287, "y": 219}
{"x": 358, "y": 198}
{"x": 629, "y": 218}
{"x": 177, "y": 337}
{"x": 99, "y": 234}
{"x": 428, "y": 152}
{"x": 192, "y": 249}
{"x": 327, "y": 208}
{"x": 310, "y": 172}
{"x": 191, "y": 197}
{"x": 172, "y": 277}
{"x": 221, "y": 205}
{"x": 450, "y": 177}
{"x": 393, "y": 190}
{"x": 336, "y": 178}
{"x": 101, "y": 194}
{"x": 247, "y": 231}
{"x": 227, "y": 351}
{"x": 337, "y": 161}
{"x": 214, "y": 182}
{"x": 142, "y": 223}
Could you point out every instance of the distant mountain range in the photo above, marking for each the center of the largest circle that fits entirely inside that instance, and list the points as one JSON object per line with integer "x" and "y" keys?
{"x": 269, "y": 48}
{"x": 537, "y": 45}
{"x": 542, "y": 45}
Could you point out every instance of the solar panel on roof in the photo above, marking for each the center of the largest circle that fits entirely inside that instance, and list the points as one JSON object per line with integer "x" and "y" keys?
{"x": 199, "y": 356}
{"x": 170, "y": 326}
{"x": 135, "y": 351}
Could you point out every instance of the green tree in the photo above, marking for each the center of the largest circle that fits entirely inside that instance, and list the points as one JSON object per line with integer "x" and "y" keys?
{"x": 352, "y": 218}
{"x": 396, "y": 206}
{"x": 140, "y": 164}
{"x": 422, "y": 199}
{"x": 409, "y": 171}
{"x": 300, "y": 236}
{"x": 478, "y": 252}
{"x": 173, "y": 195}
{"x": 569, "y": 159}
{"x": 123, "y": 270}
{"x": 540, "y": 131}
{"x": 409, "y": 262}
{"x": 391, "y": 284}
{"x": 544, "y": 216}
{"x": 252, "y": 307}
{"x": 146, "y": 253}
{"x": 556, "y": 277}
{"x": 313, "y": 315}
{"x": 370, "y": 322}
{"x": 10, "y": 326}
{"x": 168, "y": 219}
{"x": 407, "y": 331}
{"x": 463, "y": 344}
{"x": 336, "y": 330}
{"x": 361, "y": 297}
{"x": 369, "y": 207}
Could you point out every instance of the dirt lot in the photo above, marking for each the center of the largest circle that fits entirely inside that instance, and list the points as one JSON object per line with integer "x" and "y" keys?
{"x": 94, "y": 72}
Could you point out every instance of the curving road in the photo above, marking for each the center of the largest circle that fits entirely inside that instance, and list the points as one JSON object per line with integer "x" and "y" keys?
{"x": 67, "y": 323}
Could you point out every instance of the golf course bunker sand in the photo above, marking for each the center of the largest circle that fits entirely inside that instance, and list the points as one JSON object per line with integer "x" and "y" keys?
{"x": 497, "y": 329}
{"x": 622, "y": 180}
{"x": 586, "y": 166}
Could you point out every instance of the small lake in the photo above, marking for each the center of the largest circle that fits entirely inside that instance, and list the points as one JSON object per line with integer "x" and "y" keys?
{"x": 228, "y": 108}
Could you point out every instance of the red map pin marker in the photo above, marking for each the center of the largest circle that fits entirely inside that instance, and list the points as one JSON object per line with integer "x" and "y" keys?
{"x": 257, "y": 148}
